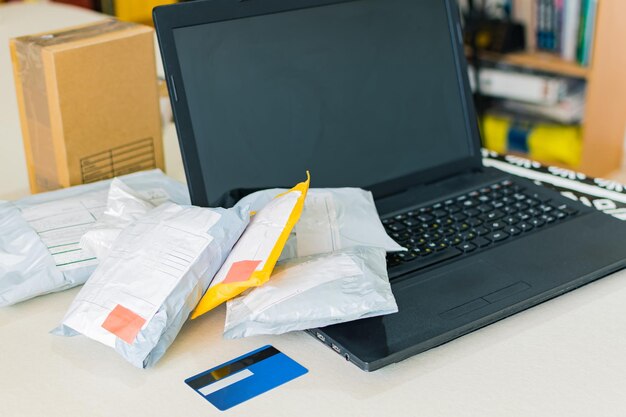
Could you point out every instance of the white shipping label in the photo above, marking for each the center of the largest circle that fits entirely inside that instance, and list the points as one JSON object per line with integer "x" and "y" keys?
{"x": 150, "y": 258}
{"x": 62, "y": 223}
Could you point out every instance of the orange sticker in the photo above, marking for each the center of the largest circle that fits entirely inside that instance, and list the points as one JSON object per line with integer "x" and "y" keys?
{"x": 240, "y": 271}
{"x": 124, "y": 323}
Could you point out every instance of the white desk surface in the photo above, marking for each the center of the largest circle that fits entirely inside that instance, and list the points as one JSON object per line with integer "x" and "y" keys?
{"x": 566, "y": 357}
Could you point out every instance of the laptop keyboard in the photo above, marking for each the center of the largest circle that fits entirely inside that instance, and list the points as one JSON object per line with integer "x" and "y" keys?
{"x": 468, "y": 223}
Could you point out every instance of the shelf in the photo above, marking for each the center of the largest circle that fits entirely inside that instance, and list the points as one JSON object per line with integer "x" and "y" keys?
{"x": 540, "y": 61}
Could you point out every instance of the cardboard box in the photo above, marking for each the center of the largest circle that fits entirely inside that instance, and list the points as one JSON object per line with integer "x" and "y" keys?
{"x": 89, "y": 104}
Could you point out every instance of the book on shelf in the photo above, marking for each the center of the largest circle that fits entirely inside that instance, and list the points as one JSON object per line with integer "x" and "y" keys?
{"x": 527, "y": 86}
{"x": 586, "y": 31}
{"x": 563, "y": 27}
{"x": 569, "y": 32}
{"x": 569, "y": 110}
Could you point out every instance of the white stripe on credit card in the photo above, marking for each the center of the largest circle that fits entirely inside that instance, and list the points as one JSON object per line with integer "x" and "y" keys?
{"x": 225, "y": 382}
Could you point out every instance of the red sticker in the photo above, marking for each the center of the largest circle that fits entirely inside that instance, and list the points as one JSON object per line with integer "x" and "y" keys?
{"x": 124, "y": 323}
{"x": 240, "y": 271}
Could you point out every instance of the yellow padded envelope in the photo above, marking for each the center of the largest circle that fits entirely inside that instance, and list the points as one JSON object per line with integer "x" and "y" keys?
{"x": 252, "y": 260}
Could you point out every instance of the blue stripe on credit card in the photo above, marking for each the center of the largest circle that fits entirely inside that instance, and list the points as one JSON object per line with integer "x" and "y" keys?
{"x": 245, "y": 377}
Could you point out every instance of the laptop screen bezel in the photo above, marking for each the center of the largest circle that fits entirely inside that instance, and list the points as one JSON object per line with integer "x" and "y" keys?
{"x": 169, "y": 18}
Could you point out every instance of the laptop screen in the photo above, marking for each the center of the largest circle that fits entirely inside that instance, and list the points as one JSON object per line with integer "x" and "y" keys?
{"x": 358, "y": 93}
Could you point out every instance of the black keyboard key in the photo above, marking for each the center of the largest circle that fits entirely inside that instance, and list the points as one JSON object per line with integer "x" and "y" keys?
{"x": 481, "y": 231}
{"x": 511, "y": 219}
{"x": 484, "y": 198}
{"x": 467, "y": 247}
{"x": 454, "y": 240}
{"x": 497, "y": 236}
{"x": 472, "y": 212}
{"x": 547, "y": 218}
{"x": 512, "y": 230}
{"x": 421, "y": 251}
{"x": 520, "y": 206}
{"x": 559, "y": 214}
{"x": 523, "y": 216}
{"x": 540, "y": 197}
{"x": 481, "y": 242}
{"x": 396, "y": 227}
{"x": 524, "y": 227}
{"x": 405, "y": 256}
{"x": 496, "y": 225}
{"x": 439, "y": 213}
{"x": 425, "y": 217}
{"x": 532, "y": 202}
{"x": 493, "y": 215}
{"x": 423, "y": 262}
{"x": 400, "y": 217}
{"x": 453, "y": 208}
{"x": 546, "y": 208}
{"x": 497, "y": 204}
{"x": 509, "y": 209}
{"x": 411, "y": 222}
{"x": 474, "y": 222}
{"x": 485, "y": 208}
{"x": 458, "y": 217}
{"x": 567, "y": 209}
{"x": 533, "y": 212}
{"x": 536, "y": 222}
{"x": 387, "y": 221}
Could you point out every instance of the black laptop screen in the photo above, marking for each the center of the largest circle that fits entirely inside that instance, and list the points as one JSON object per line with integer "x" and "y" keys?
{"x": 358, "y": 93}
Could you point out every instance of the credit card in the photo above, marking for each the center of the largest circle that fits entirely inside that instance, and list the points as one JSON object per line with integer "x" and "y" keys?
{"x": 245, "y": 377}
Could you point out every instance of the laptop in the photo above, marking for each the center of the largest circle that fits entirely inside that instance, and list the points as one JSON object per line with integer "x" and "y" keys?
{"x": 375, "y": 94}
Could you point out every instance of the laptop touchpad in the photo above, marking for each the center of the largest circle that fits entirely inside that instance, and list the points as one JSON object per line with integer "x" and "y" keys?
{"x": 471, "y": 287}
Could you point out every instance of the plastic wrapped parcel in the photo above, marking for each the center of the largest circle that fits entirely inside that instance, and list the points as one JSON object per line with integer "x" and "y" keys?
{"x": 40, "y": 234}
{"x": 155, "y": 273}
